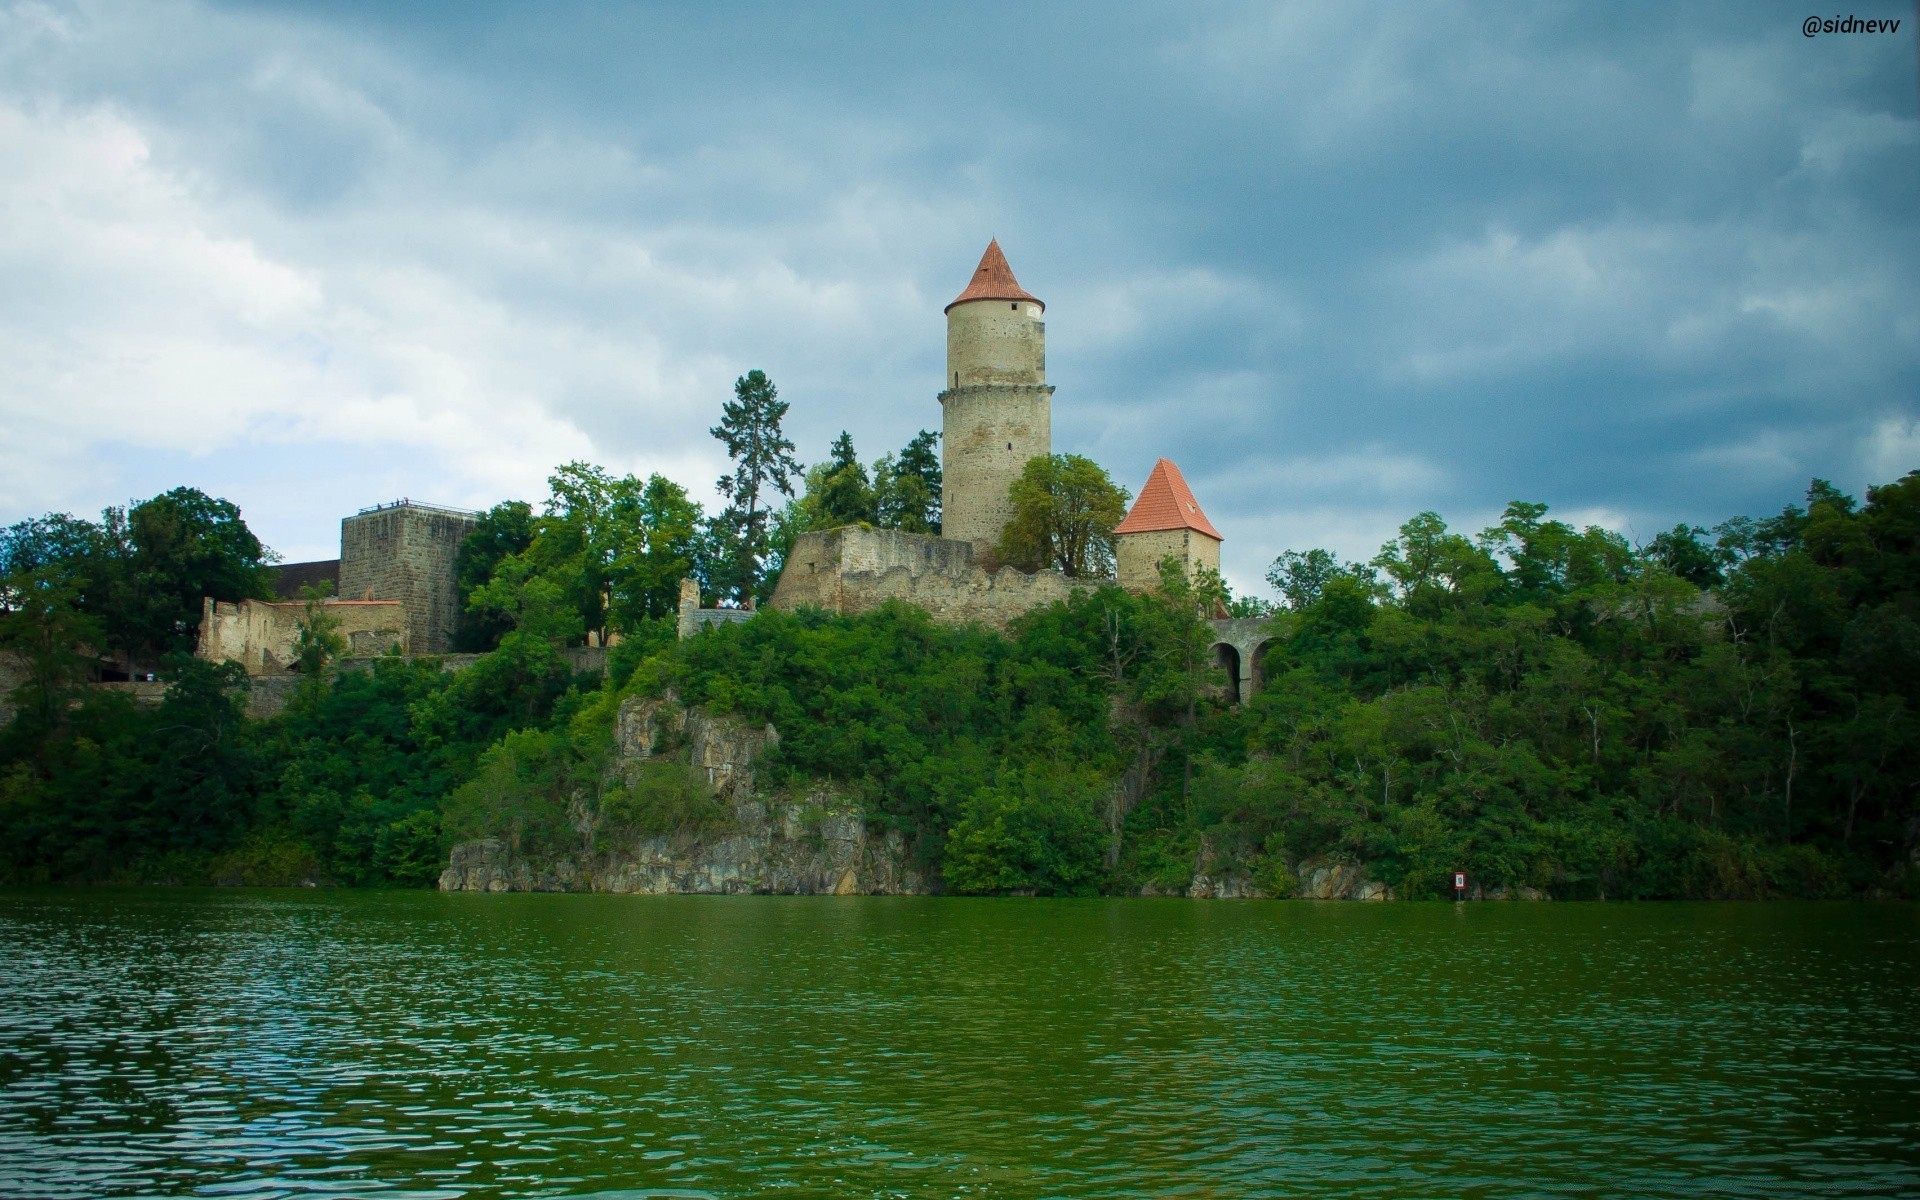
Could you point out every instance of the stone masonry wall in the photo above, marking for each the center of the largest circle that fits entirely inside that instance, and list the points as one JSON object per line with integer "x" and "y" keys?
{"x": 997, "y": 412}
{"x": 995, "y": 342}
{"x": 406, "y": 552}
{"x": 260, "y": 635}
{"x": 855, "y": 569}
{"x": 988, "y": 434}
{"x": 1137, "y": 555}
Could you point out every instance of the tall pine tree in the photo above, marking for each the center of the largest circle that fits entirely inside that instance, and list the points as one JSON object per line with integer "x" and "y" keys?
{"x": 763, "y": 458}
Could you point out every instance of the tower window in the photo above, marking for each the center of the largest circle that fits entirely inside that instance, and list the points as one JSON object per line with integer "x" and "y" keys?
{"x": 1014, "y": 307}
{"x": 1009, "y": 445}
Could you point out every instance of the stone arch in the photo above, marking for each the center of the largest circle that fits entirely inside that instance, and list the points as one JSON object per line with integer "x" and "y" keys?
{"x": 1226, "y": 656}
{"x": 1257, "y": 667}
{"x": 1249, "y": 639}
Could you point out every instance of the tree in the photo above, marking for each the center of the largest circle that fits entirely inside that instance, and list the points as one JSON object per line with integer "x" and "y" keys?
{"x": 1301, "y": 576}
{"x": 317, "y": 639}
{"x": 1181, "y": 666}
{"x": 844, "y": 494}
{"x": 1432, "y": 569}
{"x": 1686, "y": 552}
{"x": 647, "y": 587}
{"x": 167, "y": 555}
{"x": 42, "y": 624}
{"x": 504, "y": 530}
{"x": 1065, "y": 508}
{"x": 763, "y": 459}
{"x": 907, "y": 487}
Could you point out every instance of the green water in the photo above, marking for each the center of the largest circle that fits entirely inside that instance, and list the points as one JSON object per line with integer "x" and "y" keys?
{"x": 410, "y": 1044}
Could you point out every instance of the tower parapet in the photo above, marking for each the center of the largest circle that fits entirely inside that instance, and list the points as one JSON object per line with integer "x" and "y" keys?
{"x": 997, "y": 408}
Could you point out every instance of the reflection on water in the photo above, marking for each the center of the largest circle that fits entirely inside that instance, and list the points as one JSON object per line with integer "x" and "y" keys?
{"x": 416, "y": 1045}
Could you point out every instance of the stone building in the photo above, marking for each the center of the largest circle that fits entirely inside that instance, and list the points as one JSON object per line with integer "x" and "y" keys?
{"x": 996, "y": 414}
{"x": 260, "y": 635}
{"x": 997, "y": 409}
{"x": 405, "y": 551}
{"x": 1166, "y": 522}
{"x": 396, "y": 588}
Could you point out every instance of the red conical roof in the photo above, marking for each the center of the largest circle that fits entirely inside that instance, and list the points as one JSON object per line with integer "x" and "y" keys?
{"x": 993, "y": 280}
{"x": 1167, "y": 503}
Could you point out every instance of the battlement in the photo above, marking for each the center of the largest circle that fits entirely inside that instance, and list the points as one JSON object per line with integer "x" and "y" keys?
{"x": 855, "y": 569}
{"x": 403, "y": 502}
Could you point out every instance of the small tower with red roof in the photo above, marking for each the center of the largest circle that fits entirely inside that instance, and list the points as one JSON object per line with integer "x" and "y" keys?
{"x": 996, "y": 409}
{"x": 1166, "y": 521}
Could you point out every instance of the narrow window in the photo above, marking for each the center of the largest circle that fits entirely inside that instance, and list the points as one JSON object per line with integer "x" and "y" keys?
{"x": 1014, "y": 307}
{"x": 1009, "y": 445}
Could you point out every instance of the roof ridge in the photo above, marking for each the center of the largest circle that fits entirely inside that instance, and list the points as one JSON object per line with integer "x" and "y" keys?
{"x": 1166, "y": 502}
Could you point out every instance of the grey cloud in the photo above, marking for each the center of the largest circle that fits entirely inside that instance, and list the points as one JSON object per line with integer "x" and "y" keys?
{"x": 1341, "y": 264}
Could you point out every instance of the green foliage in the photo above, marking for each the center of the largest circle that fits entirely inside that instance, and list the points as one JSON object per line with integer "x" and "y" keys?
{"x": 1039, "y": 833}
{"x": 1065, "y": 508}
{"x": 43, "y": 627}
{"x": 521, "y": 793}
{"x": 605, "y": 557}
{"x": 763, "y": 460}
{"x": 142, "y": 572}
{"x": 317, "y": 640}
{"x": 662, "y": 797}
{"x": 843, "y": 495}
{"x": 1539, "y": 706}
{"x": 502, "y": 531}
{"x": 902, "y": 492}
{"x": 907, "y": 487}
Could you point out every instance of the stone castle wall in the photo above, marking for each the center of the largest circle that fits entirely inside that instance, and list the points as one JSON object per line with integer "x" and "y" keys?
{"x": 260, "y": 635}
{"x": 1137, "y": 555}
{"x": 856, "y": 569}
{"x": 406, "y": 552}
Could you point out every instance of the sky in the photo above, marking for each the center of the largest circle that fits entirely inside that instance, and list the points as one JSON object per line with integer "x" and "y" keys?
{"x": 1342, "y": 263}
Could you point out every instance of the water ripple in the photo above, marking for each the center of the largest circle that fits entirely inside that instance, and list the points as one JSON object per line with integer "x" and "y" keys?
{"x": 412, "y": 1045}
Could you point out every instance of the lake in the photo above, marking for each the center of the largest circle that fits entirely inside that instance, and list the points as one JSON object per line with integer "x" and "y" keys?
{"x": 275, "y": 1043}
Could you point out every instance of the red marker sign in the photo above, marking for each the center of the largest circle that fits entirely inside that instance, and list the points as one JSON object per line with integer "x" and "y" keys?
{"x": 1460, "y": 881}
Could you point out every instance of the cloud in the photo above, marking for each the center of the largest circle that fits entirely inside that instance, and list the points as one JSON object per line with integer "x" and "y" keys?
{"x": 1341, "y": 265}
{"x": 1892, "y": 450}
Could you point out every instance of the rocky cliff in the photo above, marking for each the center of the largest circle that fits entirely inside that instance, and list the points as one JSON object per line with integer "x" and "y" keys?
{"x": 817, "y": 843}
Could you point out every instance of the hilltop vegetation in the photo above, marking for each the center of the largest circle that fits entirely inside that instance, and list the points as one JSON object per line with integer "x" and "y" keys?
{"x": 1725, "y": 713}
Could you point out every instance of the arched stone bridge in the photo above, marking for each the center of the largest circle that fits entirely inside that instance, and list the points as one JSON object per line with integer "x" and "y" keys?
{"x": 1240, "y": 646}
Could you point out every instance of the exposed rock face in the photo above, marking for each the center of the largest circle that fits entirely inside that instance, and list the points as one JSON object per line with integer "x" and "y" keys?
{"x": 795, "y": 848}
{"x": 1339, "y": 881}
{"x": 817, "y": 844}
{"x": 1236, "y": 885}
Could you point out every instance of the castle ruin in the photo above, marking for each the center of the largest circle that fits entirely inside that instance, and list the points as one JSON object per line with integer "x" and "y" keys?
{"x": 394, "y": 584}
{"x": 996, "y": 414}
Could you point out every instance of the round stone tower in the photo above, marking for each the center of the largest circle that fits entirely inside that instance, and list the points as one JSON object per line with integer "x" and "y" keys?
{"x": 997, "y": 410}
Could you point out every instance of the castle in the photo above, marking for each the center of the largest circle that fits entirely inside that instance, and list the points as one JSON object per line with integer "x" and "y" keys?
{"x": 396, "y": 579}
{"x": 996, "y": 414}
{"x": 395, "y": 583}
